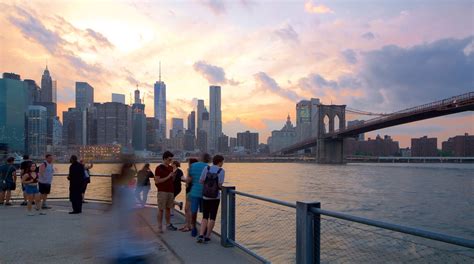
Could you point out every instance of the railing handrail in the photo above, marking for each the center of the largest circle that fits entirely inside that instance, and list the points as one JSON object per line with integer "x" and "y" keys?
{"x": 67, "y": 174}
{"x": 265, "y": 199}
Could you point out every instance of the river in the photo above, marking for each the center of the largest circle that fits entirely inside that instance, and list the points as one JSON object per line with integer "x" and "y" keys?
{"x": 437, "y": 197}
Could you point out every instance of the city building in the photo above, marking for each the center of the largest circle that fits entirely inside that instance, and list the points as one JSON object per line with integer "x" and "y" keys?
{"x": 36, "y": 120}
{"x": 307, "y": 119}
{"x": 200, "y": 110}
{"x": 189, "y": 141}
{"x": 378, "y": 147}
{"x": 84, "y": 95}
{"x": 79, "y": 128}
{"x": 459, "y": 146}
{"x": 47, "y": 87}
{"x": 223, "y": 144}
{"x": 57, "y": 132}
{"x": 215, "y": 117}
{"x": 34, "y": 92}
{"x": 139, "y": 123}
{"x": 13, "y": 106}
{"x": 152, "y": 128}
{"x": 118, "y": 98}
{"x": 114, "y": 125}
{"x": 232, "y": 143}
{"x": 110, "y": 152}
{"x": 283, "y": 138}
{"x": 160, "y": 105}
{"x": 424, "y": 147}
{"x": 248, "y": 140}
{"x": 359, "y": 137}
{"x": 177, "y": 127}
{"x": 203, "y": 134}
{"x": 192, "y": 123}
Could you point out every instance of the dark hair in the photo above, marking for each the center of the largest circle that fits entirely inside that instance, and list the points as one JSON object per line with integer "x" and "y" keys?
{"x": 28, "y": 169}
{"x": 192, "y": 160}
{"x": 10, "y": 159}
{"x": 47, "y": 156}
{"x": 146, "y": 166}
{"x": 73, "y": 159}
{"x": 26, "y": 156}
{"x": 167, "y": 155}
{"x": 217, "y": 159}
{"x": 177, "y": 163}
{"x": 205, "y": 157}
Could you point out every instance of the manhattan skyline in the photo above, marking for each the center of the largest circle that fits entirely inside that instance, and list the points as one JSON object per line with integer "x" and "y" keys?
{"x": 361, "y": 55}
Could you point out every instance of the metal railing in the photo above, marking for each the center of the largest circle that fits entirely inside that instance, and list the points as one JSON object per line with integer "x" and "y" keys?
{"x": 329, "y": 236}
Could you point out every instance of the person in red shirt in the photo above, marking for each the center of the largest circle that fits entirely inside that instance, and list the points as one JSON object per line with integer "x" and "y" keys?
{"x": 164, "y": 178}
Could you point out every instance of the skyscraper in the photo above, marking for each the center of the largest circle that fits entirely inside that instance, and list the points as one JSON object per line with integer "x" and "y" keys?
{"x": 200, "y": 109}
{"x": 177, "y": 127}
{"x": 215, "y": 117}
{"x": 118, "y": 98}
{"x": 84, "y": 95}
{"x": 36, "y": 121}
{"x": 160, "y": 105}
{"x": 192, "y": 123}
{"x": 46, "y": 87}
{"x": 202, "y": 135}
{"x": 139, "y": 123}
{"x": 114, "y": 124}
{"x": 248, "y": 140}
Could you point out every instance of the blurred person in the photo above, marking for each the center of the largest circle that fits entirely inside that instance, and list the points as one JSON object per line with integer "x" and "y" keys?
{"x": 76, "y": 184}
{"x": 87, "y": 178}
{"x": 24, "y": 165}
{"x": 196, "y": 190}
{"x": 7, "y": 181}
{"x": 178, "y": 178}
{"x": 164, "y": 178}
{"x": 143, "y": 184}
{"x": 30, "y": 180}
{"x": 187, "y": 208}
{"x": 45, "y": 178}
{"x": 212, "y": 179}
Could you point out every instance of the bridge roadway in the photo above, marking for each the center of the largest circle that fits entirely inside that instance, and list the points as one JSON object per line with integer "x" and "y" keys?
{"x": 455, "y": 104}
{"x": 58, "y": 237}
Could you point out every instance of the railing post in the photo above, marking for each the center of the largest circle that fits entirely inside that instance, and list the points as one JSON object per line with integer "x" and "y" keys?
{"x": 228, "y": 216}
{"x": 308, "y": 233}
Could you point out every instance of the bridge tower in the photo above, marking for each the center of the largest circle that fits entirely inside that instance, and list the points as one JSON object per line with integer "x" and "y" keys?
{"x": 330, "y": 149}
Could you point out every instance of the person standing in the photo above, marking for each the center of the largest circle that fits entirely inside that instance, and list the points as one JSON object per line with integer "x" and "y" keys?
{"x": 164, "y": 176}
{"x": 143, "y": 184}
{"x": 30, "y": 181}
{"x": 46, "y": 173}
{"x": 187, "y": 208}
{"x": 196, "y": 189}
{"x": 76, "y": 185}
{"x": 212, "y": 179}
{"x": 25, "y": 164}
{"x": 7, "y": 181}
{"x": 87, "y": 178}
{"x": 178, "y": 178}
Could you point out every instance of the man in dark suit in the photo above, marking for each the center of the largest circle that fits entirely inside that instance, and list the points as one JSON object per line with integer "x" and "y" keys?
{"x": 76, "y": 184}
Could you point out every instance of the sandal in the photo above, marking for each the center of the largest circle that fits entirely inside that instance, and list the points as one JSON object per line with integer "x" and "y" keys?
{"x": 185, "y": 229}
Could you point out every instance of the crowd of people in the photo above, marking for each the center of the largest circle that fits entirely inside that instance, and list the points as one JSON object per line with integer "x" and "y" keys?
{"x": 203, "y": 183}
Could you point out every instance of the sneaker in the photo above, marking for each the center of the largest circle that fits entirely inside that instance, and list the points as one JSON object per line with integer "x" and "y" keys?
{"x": 8, "y": 204}
{"x": 171, "y": 227}
{"x": 44, "y": 206}
{"x": 31, "y": 214}
{"x": 24, "y": 203}
{"x": 42, "y": 213}
{"x": 194, "y": 232}
{"x": 200, "y": 239}
{"x": 206, "y": 240}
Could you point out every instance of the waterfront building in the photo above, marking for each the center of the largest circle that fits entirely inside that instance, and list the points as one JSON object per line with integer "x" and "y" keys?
{"x": 314, "y": 102}
{"x": 114, "y": 124}
{"x": 459, "y": 146}
{"x": 46, "y": 86}
{"x": 189, "y": 141}
{"x": 359, "y": 137}
{"x": 192, "y": 123}
{"x": 108, "y": 152}
{"x": 160, "y": 105}
{"x": 223, "y": 144}
{"x": 77, "y": 128}
{"x": 232, "y": 143}
{"x": 152, "y": 128}
{"x": 13, "y": 106}
{"x": 177, "y": 127}
{"x": 424, "y": 147}
{"x": 307, "y": 118}
{"x": 57, "y": 132}
{"x": 378, "y": 147}
{"x": 139, "y": 123}
{"x": 200, "y": 110}
{"x": 118, "y": 98}
{"x": 248, "y": 140}
{"x": 36, "y": 121}
{"x": 215, "y": 117}
{"x": 177, "y": 141}
{"x": 84, "y": 95}
{"x": 201, "y": 140}
{"x": 34, "y": 92}
{"x": 284, "y": 137}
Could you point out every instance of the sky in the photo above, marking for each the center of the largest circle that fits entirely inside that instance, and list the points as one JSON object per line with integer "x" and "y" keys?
{"x": 376, "y": 56}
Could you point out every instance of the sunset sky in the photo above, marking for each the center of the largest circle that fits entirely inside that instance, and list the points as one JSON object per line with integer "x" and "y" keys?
{"x": 378, "y": 56}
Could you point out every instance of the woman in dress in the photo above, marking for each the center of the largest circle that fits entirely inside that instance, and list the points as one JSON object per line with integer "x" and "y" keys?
{"x": 30, "y": 181}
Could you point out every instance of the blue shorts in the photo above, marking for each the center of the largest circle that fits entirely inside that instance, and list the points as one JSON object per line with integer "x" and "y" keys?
{"x": 196, "y": 204}
{"x": 31, "y": 189}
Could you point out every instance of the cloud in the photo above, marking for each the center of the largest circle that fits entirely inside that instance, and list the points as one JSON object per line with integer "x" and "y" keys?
{"x": 99, "y": 38}
{"x": 316, "y": 9}
{"x": 349, "y": 56}
{"x": 213, "y": 74}
{"x": 397, "y": 77}
{"x": 216, "y": 6}
{"x": 266, "y": 83}
{"x": 368, "y": 36}
{"x": 33, "y": 28}
{"x": 287, "y": 33}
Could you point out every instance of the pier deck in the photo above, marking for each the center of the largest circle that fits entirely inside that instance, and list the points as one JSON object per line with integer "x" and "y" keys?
{"x": 59, "y": 237}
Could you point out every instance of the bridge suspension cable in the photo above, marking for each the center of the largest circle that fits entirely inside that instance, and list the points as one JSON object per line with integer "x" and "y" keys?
{"x": 362, "y": 112}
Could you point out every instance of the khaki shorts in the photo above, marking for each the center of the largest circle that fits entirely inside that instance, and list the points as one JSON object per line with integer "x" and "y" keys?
{"x": 165, "y": 200}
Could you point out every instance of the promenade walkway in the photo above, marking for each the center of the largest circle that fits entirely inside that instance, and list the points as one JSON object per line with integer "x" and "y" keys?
{"x": 59, "y": 238}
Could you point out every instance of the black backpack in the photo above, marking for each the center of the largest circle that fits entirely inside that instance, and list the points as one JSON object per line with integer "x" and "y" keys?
{"x": 211, "y": 184}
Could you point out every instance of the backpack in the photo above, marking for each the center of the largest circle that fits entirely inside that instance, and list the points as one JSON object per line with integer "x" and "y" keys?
{"x": 211, "y": 184}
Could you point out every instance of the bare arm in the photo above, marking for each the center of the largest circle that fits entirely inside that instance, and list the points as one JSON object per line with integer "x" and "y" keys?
{"x": 161, "y": 180}
{"x": 42, "y": 169}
